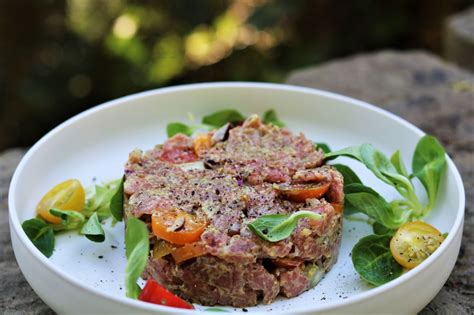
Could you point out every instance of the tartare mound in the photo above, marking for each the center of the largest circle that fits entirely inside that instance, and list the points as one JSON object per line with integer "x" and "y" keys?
{"x": 228, "y": 178}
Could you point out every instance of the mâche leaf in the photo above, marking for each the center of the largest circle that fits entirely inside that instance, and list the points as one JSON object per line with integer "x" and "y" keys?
{"x": 377, "y": 162}
{"x": 429, "y": 163}
{"x": 383, "y": 169}
{"x": 70, "y": 219}
{"x": 177, "y": 127}
{"x": 137, "y": 247}
{"x": 40, "y": 234}
{"x": 404, "y": 186}
{"x": 99, "y": 199}
{"x": 93, "y": 229}
{"x": 352, "y": 152}
{"x": 369, "y": 202}
{"x": 380, "y": 229}
{"x": 397, "y": 162}
{"x": 277, "y": 227}
{"x": 220, "y": 118}
{"x": 349, "y": 176}
{"x": 324, "y": 147}
{"x": 373, "y": 259}
{"x": 371, "y": 256}
{"x": 372, "y": 158}
{"x": 270, "y": 117}
{"x": 116, "y": 202}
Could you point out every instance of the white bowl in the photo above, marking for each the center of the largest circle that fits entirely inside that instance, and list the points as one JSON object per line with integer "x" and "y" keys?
{"x": 96, "y": 143}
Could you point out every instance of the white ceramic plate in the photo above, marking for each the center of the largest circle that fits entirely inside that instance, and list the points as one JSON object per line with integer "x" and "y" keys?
{"x": 85, "y": 277}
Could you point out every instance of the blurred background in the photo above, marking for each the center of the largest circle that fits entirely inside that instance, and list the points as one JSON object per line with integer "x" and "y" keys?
{"x": 60, "y": 57}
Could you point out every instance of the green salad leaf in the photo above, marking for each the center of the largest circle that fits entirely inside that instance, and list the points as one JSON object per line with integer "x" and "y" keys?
{"x": 220, "y": 118}
{"x": 380, "y": 229}
{"x": 353, "y": 152}
{"x": 385, "y": 170}
{"x": 323, "y": 146}
{"x": 209, "y": 122}
{"x": 40, "y": 234}
{"x": 397, "y": 162}
{"x": 70, "y": 219}
{"x": 369, "y": 202}
{"x": 270, "y": 117}
{"x": 116, "y": 202}
{"x": 373, "y": 259}
{"x": 428, "y": 165}
{"x": 99, "y": 199}
{"x": 177, "y": 127}
{"x": 93, "y": 229}
{"x": 372, "y": 158}
{"x": 350, "y": 177}
{"x": 137, "y": 248}
{"x": 377, "y": 162}
{"x": 277, "y": 227}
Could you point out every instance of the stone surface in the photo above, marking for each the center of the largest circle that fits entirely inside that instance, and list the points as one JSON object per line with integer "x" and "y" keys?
{"x": 438, "y": 98}
{"x": 16, "y": 295}
{"x": 459, "y": 39}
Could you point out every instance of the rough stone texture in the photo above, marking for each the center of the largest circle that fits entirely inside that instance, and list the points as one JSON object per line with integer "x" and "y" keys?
{"x": 16, "y": 295}
{"x": 435, "y": 96}
{"x": 459, "y": 39}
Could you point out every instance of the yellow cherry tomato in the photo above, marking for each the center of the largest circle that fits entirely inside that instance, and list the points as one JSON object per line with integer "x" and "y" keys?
{"x": 68, "y": 195}
{"x": 414, "y": 242}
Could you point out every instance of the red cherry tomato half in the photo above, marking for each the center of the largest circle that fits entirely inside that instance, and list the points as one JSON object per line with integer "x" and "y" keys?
{"x": 156, "y": 294}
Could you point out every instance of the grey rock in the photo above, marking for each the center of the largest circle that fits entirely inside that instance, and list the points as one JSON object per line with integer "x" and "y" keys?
{"x": 16, "y": 295}
{"x": 434, "y": 95}
{"x": 458, "y": 39}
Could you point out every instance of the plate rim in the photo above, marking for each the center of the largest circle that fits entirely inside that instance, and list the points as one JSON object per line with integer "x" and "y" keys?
{"x": 15, "y": 224}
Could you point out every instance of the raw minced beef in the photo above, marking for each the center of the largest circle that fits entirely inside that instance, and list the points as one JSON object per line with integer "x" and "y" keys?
{"x": 238, "y": 185}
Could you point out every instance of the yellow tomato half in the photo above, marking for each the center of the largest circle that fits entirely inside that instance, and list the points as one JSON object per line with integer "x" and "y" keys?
{"x": 414, "y": 242}
{"x": 68, "y": 195}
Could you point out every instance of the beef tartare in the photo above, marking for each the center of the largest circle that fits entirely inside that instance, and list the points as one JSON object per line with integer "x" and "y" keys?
{"x": 198, "y": 196}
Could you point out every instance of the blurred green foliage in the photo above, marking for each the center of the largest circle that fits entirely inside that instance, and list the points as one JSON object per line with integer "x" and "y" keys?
{"x": 60, "y": 57}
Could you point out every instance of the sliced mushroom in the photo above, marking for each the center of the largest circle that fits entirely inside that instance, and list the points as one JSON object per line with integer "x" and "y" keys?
{"x": 221, "y": 134}
{"x": 210, "y": 164}
{"x": 234, "y": 229}
{"x": 178, "y": 223}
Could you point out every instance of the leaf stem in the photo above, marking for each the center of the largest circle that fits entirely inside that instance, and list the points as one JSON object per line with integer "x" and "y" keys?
{"x": 296, "y": 216}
